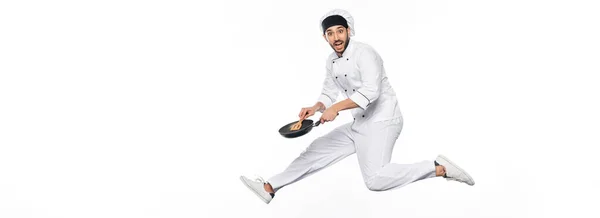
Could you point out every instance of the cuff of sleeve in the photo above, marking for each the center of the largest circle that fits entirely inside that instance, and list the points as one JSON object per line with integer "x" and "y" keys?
{"x": 326, "y": 100}
{"x": 360, "y": 100}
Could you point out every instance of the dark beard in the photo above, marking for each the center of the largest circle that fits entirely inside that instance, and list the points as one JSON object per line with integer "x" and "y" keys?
{"x": 346, "y": 43}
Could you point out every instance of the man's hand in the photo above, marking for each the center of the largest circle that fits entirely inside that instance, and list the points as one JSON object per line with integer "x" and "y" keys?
{"x": 306, "y": 112}
{"x": 329, "y": 114}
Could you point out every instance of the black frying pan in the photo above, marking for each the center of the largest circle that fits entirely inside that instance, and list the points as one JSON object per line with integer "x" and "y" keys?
{"x": 307, "y": 125}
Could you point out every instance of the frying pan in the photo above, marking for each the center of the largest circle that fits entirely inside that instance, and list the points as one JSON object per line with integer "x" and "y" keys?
{"x": 307, "y": 125}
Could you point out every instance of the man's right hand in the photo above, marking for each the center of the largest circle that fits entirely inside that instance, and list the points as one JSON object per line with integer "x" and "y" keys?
{"x": 309, "y": 111}
{"x": 306, "y": 112}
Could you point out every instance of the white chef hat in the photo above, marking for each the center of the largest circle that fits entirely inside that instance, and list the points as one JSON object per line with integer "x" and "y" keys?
{"x": 332, "y": 19}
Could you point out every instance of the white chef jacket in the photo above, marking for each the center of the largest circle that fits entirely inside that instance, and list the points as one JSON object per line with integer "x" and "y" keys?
{"x": 359, "y": 74}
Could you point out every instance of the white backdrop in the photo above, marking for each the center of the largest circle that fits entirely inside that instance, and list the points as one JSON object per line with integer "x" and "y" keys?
{"x": 155, "y": 108}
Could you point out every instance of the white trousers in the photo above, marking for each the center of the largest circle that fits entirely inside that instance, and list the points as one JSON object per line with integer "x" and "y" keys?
{"x": 373, "y": 142}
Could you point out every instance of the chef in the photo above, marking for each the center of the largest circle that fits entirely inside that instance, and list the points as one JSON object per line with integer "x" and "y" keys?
{"x": 356, "y": 71}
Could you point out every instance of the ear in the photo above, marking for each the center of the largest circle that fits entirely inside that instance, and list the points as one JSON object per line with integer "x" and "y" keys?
{"x": 325, "y": 37}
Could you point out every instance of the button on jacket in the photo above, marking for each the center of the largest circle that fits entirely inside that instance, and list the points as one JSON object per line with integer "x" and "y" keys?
{"x": 359, "y": 74}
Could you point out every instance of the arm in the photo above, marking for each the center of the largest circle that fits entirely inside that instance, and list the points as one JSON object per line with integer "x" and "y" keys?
{"x": 329, "y": 93}
{"x": 332, "y": 112}
{"x": 371, "y": 70}
{"x": 319, "y": 106}
{"x": 344, "y": 105}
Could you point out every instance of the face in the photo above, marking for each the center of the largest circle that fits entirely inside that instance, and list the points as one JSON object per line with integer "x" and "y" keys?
{"x": 337, "y": 37}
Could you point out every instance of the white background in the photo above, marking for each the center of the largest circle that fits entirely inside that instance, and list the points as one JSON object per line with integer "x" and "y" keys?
{"x": 155, "y": 108}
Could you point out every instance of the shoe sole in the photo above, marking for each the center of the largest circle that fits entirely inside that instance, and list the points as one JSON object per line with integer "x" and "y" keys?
{"x": 461, "y": 170}
{"x": 251, "y": 189}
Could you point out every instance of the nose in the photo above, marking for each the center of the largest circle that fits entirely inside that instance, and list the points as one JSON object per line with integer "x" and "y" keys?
{"x": 335, "y": 37}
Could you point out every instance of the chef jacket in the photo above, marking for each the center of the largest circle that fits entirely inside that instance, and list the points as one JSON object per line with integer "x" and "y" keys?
{"x": 359, "y": 74}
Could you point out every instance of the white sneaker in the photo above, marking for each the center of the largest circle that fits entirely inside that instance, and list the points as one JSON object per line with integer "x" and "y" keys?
{"x": 258, "y": 187}
{"x": 454, "y": 172}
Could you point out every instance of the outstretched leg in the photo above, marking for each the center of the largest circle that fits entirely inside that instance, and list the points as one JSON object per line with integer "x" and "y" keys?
{"x": 321, "y": 153}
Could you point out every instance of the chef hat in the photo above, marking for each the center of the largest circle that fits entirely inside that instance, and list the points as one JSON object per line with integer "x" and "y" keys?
{"x": 344, "y": 14}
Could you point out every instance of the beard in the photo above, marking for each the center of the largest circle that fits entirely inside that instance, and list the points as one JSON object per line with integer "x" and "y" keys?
{"x": 340, "y": 45}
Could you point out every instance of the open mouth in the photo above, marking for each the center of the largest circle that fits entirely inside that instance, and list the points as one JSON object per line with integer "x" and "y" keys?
{"x": 338, "y": 45}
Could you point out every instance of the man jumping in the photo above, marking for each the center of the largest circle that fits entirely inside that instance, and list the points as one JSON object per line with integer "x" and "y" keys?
{"x": 356, "y": 71}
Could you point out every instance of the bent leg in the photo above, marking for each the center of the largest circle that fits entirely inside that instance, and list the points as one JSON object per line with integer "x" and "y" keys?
{"x": 374, "y": 145}
{"x": 321, "y": 153}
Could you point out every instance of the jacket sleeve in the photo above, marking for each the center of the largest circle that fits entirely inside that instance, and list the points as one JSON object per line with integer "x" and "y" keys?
{"x": 370, "y": 67}
{"x": 329, "y": 92}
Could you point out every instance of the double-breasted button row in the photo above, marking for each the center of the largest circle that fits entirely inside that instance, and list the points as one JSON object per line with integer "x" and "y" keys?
{"x": 362, "y": 116}
{"x": 345, "y": 75}
{"x": 346, "y": 59}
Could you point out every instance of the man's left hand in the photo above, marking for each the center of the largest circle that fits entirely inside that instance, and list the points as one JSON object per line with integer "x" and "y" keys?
{"x": 329, "y": 115}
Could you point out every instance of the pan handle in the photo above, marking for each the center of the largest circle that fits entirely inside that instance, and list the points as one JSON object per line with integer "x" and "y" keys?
{"x": 319, "y": 121}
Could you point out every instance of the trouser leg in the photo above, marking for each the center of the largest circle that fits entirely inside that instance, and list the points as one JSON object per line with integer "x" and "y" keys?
{"x": 374, "y": 144}
{"x": 321, "y": 153}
